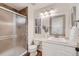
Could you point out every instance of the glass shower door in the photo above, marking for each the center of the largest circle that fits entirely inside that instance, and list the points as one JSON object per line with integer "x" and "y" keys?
{"x": 7, "y": 34}
{"x": 21, "y": 35}
{"x": 12, "y": 34}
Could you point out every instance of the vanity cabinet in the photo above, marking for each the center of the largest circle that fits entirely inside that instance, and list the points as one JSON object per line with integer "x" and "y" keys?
{"x": 50, "y": 49}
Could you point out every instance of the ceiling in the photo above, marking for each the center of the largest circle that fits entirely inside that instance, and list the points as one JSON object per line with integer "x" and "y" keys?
{"x": 19, "y": 6}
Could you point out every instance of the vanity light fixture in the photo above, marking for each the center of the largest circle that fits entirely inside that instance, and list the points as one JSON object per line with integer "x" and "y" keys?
{"x": 49, "y": 13}
{"x": 45, "y": 14}
{"x": 52, "y": 12}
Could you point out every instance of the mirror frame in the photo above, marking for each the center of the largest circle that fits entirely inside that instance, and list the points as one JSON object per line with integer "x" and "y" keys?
{"x": 57, "y": 16}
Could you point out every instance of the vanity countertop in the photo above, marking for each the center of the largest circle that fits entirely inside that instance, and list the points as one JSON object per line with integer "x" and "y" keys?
{"x": 59, "y": 41}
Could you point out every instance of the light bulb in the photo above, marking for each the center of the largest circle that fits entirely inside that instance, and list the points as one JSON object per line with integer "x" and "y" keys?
{"x": 41, "y": 14}
{"x": 46, "y": 14}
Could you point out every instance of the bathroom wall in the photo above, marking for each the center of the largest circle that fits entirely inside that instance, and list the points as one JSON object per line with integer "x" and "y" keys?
{"x": 30, "y": 23}
{"x": 34, "y": 10}
{"x": 63, "y": 9}
{"x": 77, "y": 11}
{"x": 31, "y": 14}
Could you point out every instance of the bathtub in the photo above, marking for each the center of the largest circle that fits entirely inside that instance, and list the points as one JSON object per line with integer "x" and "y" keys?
{"x": 17, "y": 51}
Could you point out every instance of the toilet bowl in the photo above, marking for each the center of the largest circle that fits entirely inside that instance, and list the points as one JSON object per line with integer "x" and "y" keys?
{"x": 38, "y": 43}
{"x": 33, "y": 50}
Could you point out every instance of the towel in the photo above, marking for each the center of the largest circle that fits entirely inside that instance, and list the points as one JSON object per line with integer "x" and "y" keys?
{"x": 74, "y": 35}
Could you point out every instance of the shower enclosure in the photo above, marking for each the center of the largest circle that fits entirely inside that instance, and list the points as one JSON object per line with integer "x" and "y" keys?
{"x": 12, "y": 33}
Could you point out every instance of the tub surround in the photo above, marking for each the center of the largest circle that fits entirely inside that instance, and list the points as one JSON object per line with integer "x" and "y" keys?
{"x": 60, "y": 41}
{"x": 57, "y": 46}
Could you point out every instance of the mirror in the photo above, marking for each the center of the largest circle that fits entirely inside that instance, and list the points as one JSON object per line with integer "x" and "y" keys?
{"x": 45, "y": 24}
{"x": 57, "y": 25}
{"x": 54, "y": 25}
{"x": 37, "y": 26}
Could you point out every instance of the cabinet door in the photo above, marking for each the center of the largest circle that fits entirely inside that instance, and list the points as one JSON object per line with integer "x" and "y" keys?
{"x": 57, "y": 50}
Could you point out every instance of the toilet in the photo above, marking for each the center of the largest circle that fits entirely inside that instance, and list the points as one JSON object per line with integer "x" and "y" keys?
{"x": 33, "y": 48}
